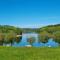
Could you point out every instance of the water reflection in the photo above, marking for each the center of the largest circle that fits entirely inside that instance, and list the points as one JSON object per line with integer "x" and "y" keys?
{"x": 50, "y": 43}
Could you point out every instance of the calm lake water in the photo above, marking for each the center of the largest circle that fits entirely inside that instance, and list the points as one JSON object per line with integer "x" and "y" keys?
{"x": 50, "y": 43}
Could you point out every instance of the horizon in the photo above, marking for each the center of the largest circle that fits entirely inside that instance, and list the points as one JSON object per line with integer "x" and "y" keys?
{"x": 29, "y": 14}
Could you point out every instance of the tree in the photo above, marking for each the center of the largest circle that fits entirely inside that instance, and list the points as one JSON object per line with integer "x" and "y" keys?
{"x": 18, "y": 38}
{"x": 10, "y": 37}
{"x": 43, "y": 37}
{"x": 7, "y": 28}
{"x": 57, "y": 37}
{"x": 1, "y": 38}
{"x": 31, "y": 40}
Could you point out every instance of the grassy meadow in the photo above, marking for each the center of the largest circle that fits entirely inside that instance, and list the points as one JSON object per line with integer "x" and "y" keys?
{"x": 24, "y": 53}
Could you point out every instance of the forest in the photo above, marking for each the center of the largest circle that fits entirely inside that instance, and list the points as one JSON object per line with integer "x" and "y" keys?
{"x": 46, "y": 33}
{"x": 50, "y": 31}
{"x": 9, "y": 34}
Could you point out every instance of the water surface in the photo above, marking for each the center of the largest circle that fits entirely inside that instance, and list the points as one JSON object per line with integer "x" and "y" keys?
{"x": 50, "y": 43}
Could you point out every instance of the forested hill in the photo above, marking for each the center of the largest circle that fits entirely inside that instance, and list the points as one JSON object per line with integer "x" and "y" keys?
{"x": 7, "y": 29}
{"x": 28, "y": 30}
{"x": 45, "y": 33}
{"x": 50, "y": 28}
{"x": 51, "y": 31}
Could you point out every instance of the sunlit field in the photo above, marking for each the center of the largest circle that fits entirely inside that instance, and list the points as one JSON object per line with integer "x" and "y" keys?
{"x": 24, "y": 53}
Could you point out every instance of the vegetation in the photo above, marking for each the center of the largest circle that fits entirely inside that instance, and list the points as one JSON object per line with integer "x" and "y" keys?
{"x": 8, "y": 34}
{"x": 7, "y": 29}
{"x": 51, "y": 28}
{"x": 9, "y": 37}
{"x": 57, "y": 37}
{"x": 18, "y": 39}
{"x": 51, "y": 31}
{"x": 31, "y": 40}
{"x": 43, "y": 37}
{"x": 24, "y": 53}
{"x": 29, "y": 30}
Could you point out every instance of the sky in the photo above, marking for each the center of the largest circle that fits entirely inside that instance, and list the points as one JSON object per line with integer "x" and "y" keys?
{"x": 29, "y": 13}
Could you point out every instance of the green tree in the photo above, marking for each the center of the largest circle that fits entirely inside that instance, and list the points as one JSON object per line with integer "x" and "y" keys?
{"x": 10, "y": 37}
{"x": 57, "y": 37}
{"x": 18, "y": 39}
{"x": 1, "y": 38}
{"x": 43, "y": 37}
{"x": 31, "y": 40}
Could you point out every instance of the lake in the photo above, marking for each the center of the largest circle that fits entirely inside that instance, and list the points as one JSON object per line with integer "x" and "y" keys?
{"x": 25, "y": 36}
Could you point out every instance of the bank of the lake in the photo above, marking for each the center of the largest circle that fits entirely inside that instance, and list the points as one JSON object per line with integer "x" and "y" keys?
{"x": 24, "y": 53}
{"x": 36, "y": 43}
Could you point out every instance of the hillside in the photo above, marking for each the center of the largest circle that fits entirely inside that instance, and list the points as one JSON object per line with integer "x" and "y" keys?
{"x": 7, "y": 29}
{"x": 51, "y": 31}
{"x": 51, "y": 28}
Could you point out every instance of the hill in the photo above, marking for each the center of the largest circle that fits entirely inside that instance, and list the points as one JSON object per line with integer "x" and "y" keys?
{"x": 51, "y": 31}
{"x": 7, "y": 29}
{"x": 51, "y": 28}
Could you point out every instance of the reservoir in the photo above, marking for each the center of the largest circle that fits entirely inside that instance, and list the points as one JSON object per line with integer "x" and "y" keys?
{"x": 25, "y": 36}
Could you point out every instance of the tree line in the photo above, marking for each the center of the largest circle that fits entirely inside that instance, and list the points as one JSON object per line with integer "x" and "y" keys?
{"x": 8, "y": 34}
{"x": 50, "y": 31}
{"x": 46, "y": 33}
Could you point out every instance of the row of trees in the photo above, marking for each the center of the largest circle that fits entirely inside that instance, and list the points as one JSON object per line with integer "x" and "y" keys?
{"x": 51, "y": 31}
{"x": 7, "y": 29}
{"x": 8, "y": 34}
{"x": 46, "y": 33}
{"x": 44, "y": 37}
{"x": 11, "y": 37}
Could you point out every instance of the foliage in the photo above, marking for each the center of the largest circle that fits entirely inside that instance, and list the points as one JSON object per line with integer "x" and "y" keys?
{"x": 43, "y": 37}
{"x": 18, "y": 39}
{"x": 10, "y": 37}
{"x": 31, "y": 40}
{"x": 7, "y": 29}
{"x": 57, "y": 37}
{"x": 51, "y": 28}
{"x": 1, "y": 38}
{"x": 8, "y": 34}
{"x": 51, "y": 31}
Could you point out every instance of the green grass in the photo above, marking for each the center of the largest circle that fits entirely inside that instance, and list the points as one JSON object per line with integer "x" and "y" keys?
{"x": 24, "y": 53}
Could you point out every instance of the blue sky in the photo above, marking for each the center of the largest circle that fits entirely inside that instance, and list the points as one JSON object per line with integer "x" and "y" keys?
{"x": 29, "y": 13}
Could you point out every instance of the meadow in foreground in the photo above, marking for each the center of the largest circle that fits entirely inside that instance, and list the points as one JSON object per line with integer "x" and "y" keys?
{"x": 24, "y": 53}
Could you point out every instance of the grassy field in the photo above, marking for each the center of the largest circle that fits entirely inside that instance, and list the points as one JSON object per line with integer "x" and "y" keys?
{"x": 12, "y": 53}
